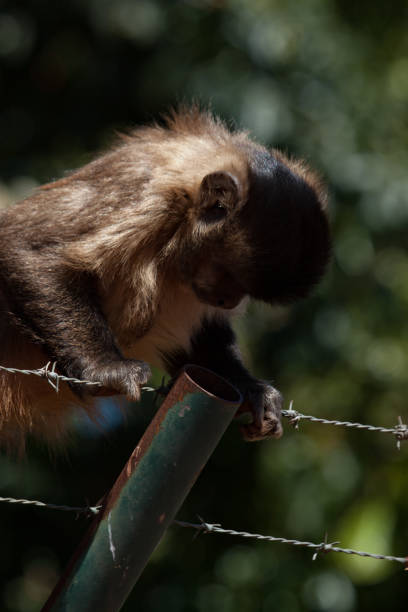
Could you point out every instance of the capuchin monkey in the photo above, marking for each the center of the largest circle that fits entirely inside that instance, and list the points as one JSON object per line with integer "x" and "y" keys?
{"x": 141, "y": 257}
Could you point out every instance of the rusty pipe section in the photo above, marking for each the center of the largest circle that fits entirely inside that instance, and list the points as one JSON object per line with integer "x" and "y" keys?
{"x": 147, "y": 494}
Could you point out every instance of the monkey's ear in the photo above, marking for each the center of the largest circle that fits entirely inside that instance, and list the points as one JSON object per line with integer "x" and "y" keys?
{"x": 219, "y": 192}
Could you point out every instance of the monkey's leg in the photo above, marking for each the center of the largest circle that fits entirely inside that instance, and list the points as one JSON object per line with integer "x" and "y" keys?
{"x": 214, "y": 346}
{"x": 60, "y": 311}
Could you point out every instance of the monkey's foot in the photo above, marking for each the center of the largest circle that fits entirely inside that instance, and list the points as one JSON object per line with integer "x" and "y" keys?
{"x": 123, "y": 377}
{"x": 264, "y": 403}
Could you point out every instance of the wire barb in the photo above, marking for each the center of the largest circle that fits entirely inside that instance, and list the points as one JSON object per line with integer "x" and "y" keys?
{"x": 323, "y": 547}
{"x": 53, "y": 378}
{"x": 400, "y": 431}
{"x": 203, "y": 527}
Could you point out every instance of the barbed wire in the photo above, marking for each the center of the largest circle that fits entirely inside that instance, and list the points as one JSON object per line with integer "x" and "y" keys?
{"x": 400, "y": 431}
{"x": 87, "y": 510}
{"x": 53, "y": 378}
{"x": 323, "y": 547}
{"x": 203, "y": 527}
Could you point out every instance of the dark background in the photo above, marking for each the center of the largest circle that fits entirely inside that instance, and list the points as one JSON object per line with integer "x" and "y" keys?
{"x": 326, "y": 80}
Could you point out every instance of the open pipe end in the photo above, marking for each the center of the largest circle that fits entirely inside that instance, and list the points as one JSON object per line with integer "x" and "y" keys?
{"x": 212, "y": 384}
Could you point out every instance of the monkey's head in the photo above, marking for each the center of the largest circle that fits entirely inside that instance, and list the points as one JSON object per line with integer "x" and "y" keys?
{"x": 265, "y": 236}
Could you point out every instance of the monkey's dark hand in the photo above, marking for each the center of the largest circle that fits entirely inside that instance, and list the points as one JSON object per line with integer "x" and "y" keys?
{"x": 264, "y": 402}
{"x": 124, "y": 377}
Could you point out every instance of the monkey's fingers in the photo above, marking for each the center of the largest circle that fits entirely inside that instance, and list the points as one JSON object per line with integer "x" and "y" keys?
{"x": 270, "y": 427}
{"x": 264, "y": 403}
{"x": 123, "y": 377}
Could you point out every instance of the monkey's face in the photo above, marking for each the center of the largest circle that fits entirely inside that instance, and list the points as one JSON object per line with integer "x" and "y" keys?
{"x": 287, "y": 228}
{"x": 268, "y": 239}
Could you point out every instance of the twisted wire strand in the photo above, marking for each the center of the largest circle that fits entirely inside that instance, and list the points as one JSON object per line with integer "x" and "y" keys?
{"x": 48, "y": 372}
{"x": 32, "y": 502}
{"x": 400, "y": 431}
{"x": 203, "y": 527}
{"x": 53, "y": 378}
{"x": 323, "y": 547}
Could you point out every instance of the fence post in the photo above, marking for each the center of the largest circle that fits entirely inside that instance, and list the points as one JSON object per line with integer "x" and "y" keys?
{"x": 147, "y": 494}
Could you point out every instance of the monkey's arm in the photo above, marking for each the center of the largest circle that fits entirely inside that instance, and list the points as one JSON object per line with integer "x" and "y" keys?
{"x": 214, "y": 346}
{"x": 60, "y": 311}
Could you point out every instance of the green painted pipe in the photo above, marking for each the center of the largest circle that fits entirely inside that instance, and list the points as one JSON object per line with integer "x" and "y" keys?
{"x": 147, "y": 494}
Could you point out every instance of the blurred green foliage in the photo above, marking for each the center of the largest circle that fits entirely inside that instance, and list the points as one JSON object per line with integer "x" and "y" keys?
{"x": 324, "y": 79}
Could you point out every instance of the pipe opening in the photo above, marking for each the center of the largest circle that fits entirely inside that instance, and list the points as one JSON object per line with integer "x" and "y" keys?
{"x": 213, "y": 384}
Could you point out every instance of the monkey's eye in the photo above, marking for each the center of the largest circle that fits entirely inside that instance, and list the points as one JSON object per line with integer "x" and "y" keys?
{"x": 215, "y": 212}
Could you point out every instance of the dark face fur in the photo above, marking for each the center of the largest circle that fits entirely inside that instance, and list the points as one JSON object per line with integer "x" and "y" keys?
{"x": 271, "y": 244}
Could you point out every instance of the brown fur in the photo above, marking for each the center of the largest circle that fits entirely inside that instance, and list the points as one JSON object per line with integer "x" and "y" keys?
{"x": 126, "y": 257}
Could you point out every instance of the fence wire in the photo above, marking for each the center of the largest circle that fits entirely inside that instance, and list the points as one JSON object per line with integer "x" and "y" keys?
{"x": 400, "y": 431}
{"x": 48, "y": 372}
{"x": 203, "y": 527}
{"x": 87, "y": 510}
{"x": 323, "y": 547}
{"x": 51, "y": 376}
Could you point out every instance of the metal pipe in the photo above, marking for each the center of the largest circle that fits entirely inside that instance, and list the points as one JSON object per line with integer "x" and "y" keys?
{"x": 147, "y": 494}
